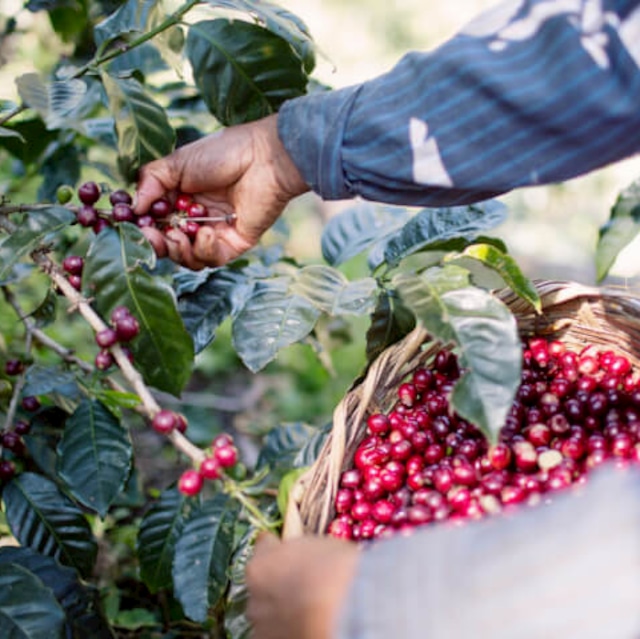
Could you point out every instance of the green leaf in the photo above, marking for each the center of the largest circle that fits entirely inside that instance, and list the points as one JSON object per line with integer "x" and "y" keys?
{"x": 431, "y": 226}
{"x": 79, "y": 600}
{"x": 390, "y": 322}
{"x": 10, "y": 133}
{"x": 358, "y": 229}
{"x": 486, "y": 335}
{"x": 205, "y": 306}
{"x": 115, "y": 400}
{"x": 271, "y": 320}
{"x": 133, "y": 19}
{"x": 54, "y": 101}
{"x": 116, "y": 273}
{"x": 44, "y": 519}
{"x": 160, "y": 528}
{"x": 202, "y": 555}
{"x": 331, "y": 292}
{"x": 61, "y": 166}
{"x": 243, "y": 71}
{"x": 43, "y": 380}
{"x": 621, "y": 228}
{"x": 36, "y": 139}
{"x": 37, "y": 227}
{"x": 282, "y": 444}
{"x": 281, "y": 22}
{"x": 506, "y": 267}
{"x": 142, "y": 127}
{"x": 28, "y": 609}
{"x": 94, "y": 456}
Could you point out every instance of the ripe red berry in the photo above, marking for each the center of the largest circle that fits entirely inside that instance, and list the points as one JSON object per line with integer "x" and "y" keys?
{"x": 196, "y": 209}
{"x": 145, "y": 221}
{"x": 161, "y": 208}
{"x": 190, "y": 483}
{"x": 164, "y": 421}
{"x": 73, "y": 264}
{"x": 120, "y": 197}
{"x": 118, "y": 313}
{"x": 89, "y": 193}
{"x": 13, "y": 442}
{"x": 106, "y": 338}
{"x": 122, "y": 212}
{"x": 75, "y": 281}
{"x": 127, "y": 328}
{"x": 7, "y": 470}
{"x": 87, "y": 215}
{"x": 210, "y": 468}
{"x": 13, "y": 367}
{"x": 183, "y": 202}
{"x": 103, "y": 360}
{"x": 30, "y": 403}
{"x": 21, "y": 427}
{"x": 227, "y": 456}
{"x": 101, "y": 224}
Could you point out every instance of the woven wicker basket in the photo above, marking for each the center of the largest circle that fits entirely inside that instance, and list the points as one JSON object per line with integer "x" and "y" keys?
{"x": 576, "y": 314}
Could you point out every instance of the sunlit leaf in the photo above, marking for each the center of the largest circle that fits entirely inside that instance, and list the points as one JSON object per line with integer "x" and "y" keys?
{"x": 143, "y": 129}
{"x": 39, "y": 225}
{"x": 331, "y": 292}
{"x": 271, "y": 319}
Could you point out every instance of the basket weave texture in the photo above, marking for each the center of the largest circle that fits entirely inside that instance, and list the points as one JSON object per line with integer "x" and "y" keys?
{"x": 576, "y": 314}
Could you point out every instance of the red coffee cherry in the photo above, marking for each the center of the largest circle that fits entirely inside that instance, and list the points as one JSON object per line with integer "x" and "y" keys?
{"x": 164, "y": 421}
{"x": 89, "y": 193}
{"x": 190, "y": 483}
{"x": 73, "y": 264}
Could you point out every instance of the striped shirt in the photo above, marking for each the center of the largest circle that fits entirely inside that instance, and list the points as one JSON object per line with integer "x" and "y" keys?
{"x": 531, "y": 92}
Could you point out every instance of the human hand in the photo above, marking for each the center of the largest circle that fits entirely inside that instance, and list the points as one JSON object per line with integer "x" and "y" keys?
{"x": 242, "y": 170}
{"x": 297, "y": 587}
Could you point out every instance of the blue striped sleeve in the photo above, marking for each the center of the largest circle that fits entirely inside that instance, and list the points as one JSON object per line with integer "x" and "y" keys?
{"x": 532, "y": 92}
{"x": 569, "y": 569}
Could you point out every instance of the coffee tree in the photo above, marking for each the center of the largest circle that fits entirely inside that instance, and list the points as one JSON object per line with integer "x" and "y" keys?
{"x": 99, "y": 337}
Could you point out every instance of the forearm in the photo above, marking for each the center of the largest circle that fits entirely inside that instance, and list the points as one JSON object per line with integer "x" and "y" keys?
{"x": 548, "y": 94}
{"x": 559, "y": 571}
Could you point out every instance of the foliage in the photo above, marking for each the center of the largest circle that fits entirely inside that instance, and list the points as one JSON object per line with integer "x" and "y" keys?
{"x": 108, "y": 545}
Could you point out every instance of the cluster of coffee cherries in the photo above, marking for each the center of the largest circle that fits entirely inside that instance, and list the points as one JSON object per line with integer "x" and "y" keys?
{"x": 124, "y": 327}
{"x": 73, "y": 265}
{"x": 185, "y": 213}
{"x": 222, "y": 456}
{"x": 11, "y": 439}
{"x": 421, "y": 463}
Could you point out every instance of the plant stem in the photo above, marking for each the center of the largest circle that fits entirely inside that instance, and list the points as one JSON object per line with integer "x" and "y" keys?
{"x": 255, "y": 515}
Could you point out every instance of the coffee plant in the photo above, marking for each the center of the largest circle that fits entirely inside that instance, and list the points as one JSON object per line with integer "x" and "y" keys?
{"x": 125, "y": 511}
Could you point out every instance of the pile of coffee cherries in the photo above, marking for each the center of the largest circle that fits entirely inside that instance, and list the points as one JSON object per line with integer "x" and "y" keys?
{"x": 420, "y": 463}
